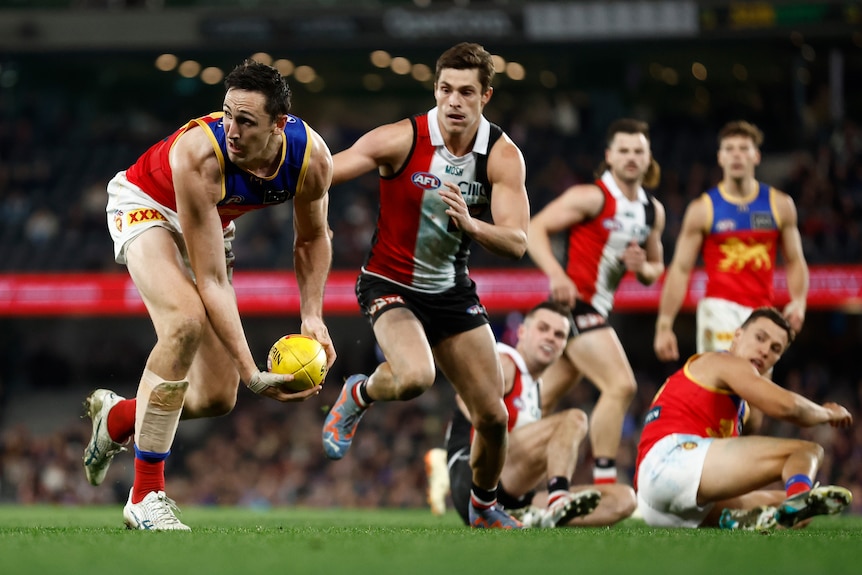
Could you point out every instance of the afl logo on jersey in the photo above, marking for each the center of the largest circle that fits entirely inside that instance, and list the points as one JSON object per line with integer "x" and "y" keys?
{"x": 425, "y": 180}
{"x": 612, "y": 225}
{"x": 727, "y": 225}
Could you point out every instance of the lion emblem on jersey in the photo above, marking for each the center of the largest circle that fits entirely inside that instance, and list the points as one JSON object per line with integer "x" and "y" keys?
{"x": 738, "y": 255}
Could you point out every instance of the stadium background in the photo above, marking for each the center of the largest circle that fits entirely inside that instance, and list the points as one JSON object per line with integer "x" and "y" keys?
{"x": 81, "y": 97}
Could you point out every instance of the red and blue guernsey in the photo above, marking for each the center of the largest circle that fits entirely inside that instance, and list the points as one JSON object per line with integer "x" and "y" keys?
{"x": 685, "y": 406}
{"x": 596, "y": 246}
{"x": 242, "y": 191}
{"x": 416, "y": 244}
{"x": 740, "y": 246}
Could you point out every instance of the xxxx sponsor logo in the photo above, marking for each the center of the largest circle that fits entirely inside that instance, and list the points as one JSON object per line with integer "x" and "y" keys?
{"x": 143, "y": 215}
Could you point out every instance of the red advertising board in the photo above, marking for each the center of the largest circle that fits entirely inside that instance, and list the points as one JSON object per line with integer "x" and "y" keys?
{"x": 276, "y": 293}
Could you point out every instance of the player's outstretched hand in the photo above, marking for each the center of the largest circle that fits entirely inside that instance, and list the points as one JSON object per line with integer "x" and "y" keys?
{"x": 840, "y": 416}
{"x": 286, "y": 396}
{"x": 269, "y": 384}
{"x": 316, "y": 329}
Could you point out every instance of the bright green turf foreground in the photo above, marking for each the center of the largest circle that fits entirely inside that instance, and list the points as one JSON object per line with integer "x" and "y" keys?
{"x": 49, "y": 540}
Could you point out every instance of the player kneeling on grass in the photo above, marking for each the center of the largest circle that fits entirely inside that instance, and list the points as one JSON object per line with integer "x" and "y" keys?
{"x": 694, "y": 470}
{"x": 538, "y": 447}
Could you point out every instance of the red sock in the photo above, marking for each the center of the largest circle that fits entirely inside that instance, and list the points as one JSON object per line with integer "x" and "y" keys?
{"x": 797, "y": 484}
{"x": 797, "y": 488}
{"x": 121, "y": 420}
{"x": 148, "y": 477}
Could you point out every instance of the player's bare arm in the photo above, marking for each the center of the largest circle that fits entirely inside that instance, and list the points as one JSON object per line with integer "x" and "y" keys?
{"x": 510, "y": 206}
{"x": 647, "y": 263}
{"x": 384, "y": 148}
{"x": 686, "y": 251}
{"x": 572, "y": 207}
{"x": 726, "y": 371}
{"x": 312, "y": 252}
{"x": 197, "y": 181}
{"x": 794, "y": 260}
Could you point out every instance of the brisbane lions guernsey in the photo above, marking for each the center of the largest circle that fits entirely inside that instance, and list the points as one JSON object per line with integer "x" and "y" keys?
{"x": 523, "y": 402}
{"x": 416, "y": 244}
{"x": 596, "y": 246}
{"x": 740, "y": 246}
{"x": 685, "y": 406}
{"x": 242, "y": 191}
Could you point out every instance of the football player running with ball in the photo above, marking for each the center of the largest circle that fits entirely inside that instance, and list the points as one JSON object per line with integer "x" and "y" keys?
{"x": 171, "y": 218}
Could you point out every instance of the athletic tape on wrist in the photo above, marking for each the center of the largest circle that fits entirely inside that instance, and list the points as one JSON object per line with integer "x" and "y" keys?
{"x": 257, "y": 384}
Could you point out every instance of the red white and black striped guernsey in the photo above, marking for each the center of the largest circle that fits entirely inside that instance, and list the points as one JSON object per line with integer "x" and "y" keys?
{"x": 595, "y": 247}
{"x": 415, "y": 244}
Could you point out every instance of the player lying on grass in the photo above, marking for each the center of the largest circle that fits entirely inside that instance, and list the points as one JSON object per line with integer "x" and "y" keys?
{"x": 694, "y": 470}
{"x": 538, "y": 447}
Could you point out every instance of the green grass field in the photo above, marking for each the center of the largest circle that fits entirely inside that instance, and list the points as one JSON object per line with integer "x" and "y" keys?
{"x": 48, "y": 540}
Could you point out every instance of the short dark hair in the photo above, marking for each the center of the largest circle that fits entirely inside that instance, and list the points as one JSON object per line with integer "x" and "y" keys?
{"x": 626, "y": 126}
{"x": 553, "y": 306}
{"x": 775, "y": 317}
{"x": 741, "y": 128}
{"x": 256, "y": 77}
{"x": 468, "y": 56}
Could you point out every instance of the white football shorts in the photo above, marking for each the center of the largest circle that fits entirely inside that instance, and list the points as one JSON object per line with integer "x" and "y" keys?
{"x": 717, "y": 320}
{"x": 668, "y": 480}
{"x": 131, "y": 212}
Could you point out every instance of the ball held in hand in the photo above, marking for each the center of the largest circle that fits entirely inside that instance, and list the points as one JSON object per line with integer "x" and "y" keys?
{"x": 300, "y": 356}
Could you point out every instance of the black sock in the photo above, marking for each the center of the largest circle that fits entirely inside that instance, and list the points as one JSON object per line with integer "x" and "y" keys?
{"x": 363, "y": 393}
{"x": 558, "y": 483}
{"x": 482, "y": 498}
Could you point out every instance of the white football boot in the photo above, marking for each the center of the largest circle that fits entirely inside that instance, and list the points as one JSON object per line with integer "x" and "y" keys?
{"x": 760, "y": 518}
{"x": 438, "y": 479}
{"x": 569, "y": 506}
{"x": 101, "y": 449}
{"x": 155, "y": 512}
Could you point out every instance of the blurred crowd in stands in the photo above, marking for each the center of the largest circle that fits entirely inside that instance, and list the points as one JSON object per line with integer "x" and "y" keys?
{"x": 52, "y": 180}
{"x": 56, "y": 157}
